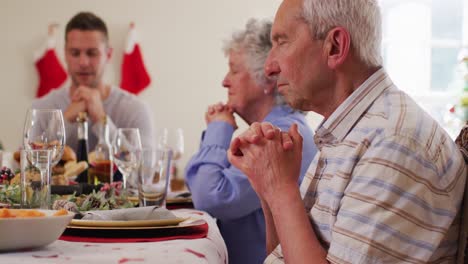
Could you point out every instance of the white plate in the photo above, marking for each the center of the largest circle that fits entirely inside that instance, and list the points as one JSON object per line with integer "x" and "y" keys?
{"x": 32, "y": 232}
{"x": 133, "y": 223}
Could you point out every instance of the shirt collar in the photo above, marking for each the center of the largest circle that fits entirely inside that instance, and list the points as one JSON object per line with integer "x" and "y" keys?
{"x": 338, "y": 125}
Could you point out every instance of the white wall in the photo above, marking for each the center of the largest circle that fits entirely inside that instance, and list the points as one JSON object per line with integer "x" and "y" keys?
{"x": 181, "y": 42}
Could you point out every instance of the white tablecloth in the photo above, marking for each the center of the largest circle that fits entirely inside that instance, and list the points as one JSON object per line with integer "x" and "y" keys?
{"x": 205, "y": 250}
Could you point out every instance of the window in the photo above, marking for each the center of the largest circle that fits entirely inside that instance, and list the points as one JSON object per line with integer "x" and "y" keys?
{"x": 421, "y": 43}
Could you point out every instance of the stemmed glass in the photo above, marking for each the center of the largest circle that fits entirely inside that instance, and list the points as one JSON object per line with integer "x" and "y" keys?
{"x": 44, "y": 129}
{"x": 172, "y": 140}
{"x": 127, "y": 155}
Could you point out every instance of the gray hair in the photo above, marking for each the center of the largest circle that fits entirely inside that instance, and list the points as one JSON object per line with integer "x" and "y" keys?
{"x": 361, "y": 18}
{"x": 254, "y": 42}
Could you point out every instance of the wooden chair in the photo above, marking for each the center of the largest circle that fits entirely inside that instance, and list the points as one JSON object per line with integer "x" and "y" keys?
{"x": 462, "y": 142}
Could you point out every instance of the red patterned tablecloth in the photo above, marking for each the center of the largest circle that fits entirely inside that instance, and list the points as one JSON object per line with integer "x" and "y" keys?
{"x": 208, "y": 249}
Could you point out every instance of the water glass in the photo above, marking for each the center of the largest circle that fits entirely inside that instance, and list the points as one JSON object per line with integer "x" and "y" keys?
{"x": 35, "y": 178}
{"x": 153, "y": 176}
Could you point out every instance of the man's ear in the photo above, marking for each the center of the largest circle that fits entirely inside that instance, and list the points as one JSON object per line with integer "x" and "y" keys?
{"x": 337, "y": 43}
{"x": 109, "y": 53}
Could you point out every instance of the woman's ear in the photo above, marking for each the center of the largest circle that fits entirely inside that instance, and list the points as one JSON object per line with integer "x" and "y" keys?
{"x": 337, "y": 43}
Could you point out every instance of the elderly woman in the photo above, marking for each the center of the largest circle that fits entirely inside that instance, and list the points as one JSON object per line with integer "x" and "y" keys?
{"x": 219, "y": 188}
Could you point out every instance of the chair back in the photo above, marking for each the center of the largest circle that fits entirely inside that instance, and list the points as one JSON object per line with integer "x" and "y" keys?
{"x": 462, "y": 142}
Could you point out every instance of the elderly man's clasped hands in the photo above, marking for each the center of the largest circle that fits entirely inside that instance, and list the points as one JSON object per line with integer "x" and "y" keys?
{"x": 281, "y": 152}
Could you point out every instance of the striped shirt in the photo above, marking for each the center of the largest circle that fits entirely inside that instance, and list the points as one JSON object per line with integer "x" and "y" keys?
{"x": 387, "y": 182}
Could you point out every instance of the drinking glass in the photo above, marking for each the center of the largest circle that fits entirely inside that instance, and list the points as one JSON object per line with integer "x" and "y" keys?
{"x": 44, "y": 129}
{"x": 153, "y": 177}
{"x": 172, "y": 139}
{"x": 127, "y": 155}
{"x": 35, "y": 185}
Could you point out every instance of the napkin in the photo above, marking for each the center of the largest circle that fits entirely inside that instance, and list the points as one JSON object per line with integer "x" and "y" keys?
{"x": 129, "y": 214}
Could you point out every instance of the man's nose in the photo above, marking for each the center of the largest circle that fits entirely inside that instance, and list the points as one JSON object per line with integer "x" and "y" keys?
{"x": 271, "y": 67}
{"x": 83, "y": 59}
{"x": 226, "y": 83}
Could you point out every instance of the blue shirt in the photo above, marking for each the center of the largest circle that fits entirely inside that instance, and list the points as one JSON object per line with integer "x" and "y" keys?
{"x": 225, "y": 192}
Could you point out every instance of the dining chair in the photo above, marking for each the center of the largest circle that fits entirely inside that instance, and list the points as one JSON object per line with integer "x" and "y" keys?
{"x": 462, "y": 142}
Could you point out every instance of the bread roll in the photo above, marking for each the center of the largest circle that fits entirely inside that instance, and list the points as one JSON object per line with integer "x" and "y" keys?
{"x": 59, "y": 180}
{"x": 75, "y": 169}
{"x": 69, "y": 164}
{"x": 68, "y": 154}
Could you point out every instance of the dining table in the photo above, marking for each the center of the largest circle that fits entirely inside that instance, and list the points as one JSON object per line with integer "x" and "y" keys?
{"x": 204, "y": 245}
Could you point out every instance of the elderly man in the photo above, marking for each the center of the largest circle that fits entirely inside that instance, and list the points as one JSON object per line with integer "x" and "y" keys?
{"x": 387, "y": 182}
{"x": 216, "y": 186}
{"x": 87, "y": 53}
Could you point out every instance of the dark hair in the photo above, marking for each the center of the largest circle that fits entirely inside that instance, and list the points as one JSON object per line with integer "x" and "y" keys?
{"x": 87, "y": 21}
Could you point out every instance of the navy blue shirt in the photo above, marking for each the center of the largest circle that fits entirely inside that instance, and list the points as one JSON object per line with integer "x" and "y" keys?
{"x": 225, "y": 192}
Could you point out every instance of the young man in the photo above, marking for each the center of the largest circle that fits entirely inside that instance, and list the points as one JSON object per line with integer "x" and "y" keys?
{"x": 87, "y": 53}
{"x": 387, "y": 182}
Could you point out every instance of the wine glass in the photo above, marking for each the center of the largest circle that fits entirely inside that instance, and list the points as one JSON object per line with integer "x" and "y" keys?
{"x": 127, "y": 155}
{"x": 44, "y": 129}
{"x": 172, "y": 140}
